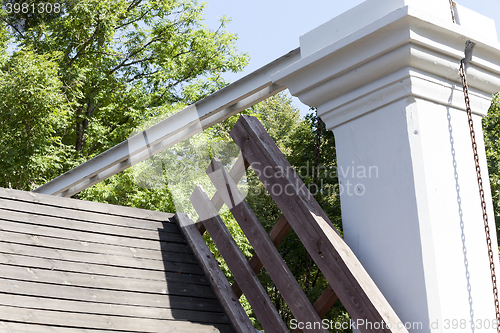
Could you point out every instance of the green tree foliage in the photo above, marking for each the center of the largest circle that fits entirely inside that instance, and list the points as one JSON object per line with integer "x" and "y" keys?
{"x": 33, "y": 118}
{"x": 76, "y": 82}
{"x": 117, "y": 64}
{"x": 296, "y": 138}
{"x": 4, "y": 40}
{"x": 491, "y": 129}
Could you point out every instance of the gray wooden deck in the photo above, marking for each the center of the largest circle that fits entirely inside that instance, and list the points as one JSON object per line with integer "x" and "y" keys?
{"x": 73, "y": 266}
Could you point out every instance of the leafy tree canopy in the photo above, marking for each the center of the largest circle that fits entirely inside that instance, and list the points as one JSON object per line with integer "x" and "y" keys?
{"x": 112, "y": 65}
{"x": 491, "y": 130}
{"x": 78, "y": 80}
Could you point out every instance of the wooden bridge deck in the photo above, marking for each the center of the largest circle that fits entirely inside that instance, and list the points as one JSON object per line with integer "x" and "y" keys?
{"x": 73, "y": 266}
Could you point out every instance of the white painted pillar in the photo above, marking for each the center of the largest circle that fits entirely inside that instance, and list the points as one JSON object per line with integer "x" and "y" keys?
{"x": 384, "y": 77}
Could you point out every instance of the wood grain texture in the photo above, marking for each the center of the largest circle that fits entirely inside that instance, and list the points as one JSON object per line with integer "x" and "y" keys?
{"x": 221, "y": 286}
{"x": 72, "y": 266}
{"x": 264, "y": 248}
{"x": 88, "y": 217}
{"x": 237, "y": 263}
{"x": 85, "y": 236}
{"x": 325, "y": 301}
{"x": 237, "y": 172}
{"x": 115, "y": 232}
{"x": 174, "y": 284}
{"x": 84, "y": 206}
{"x": 90, "y": 321}
{"x": 161, "y": 261}
{"x": 108, "y": 297}
{"x": 323, "y": 304}
{"x": 177, "y": 271}
{"x": 350, "y": 281}
{"x": 28, "y": 237}
{"x": 279, "y": 231}
{"x": 132, "y": 311}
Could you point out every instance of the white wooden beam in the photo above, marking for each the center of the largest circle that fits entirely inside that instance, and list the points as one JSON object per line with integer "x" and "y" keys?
{"x": 195, "y": 118}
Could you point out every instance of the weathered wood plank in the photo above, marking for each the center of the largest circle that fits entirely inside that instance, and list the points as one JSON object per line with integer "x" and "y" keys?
{"x": 165, "y": 253}
{"x": 108, "y": 297}
{"x": 180, "y": 272}
{"x": 222, "y": 289}
{"x": 277, "y": 233}
{"x": 105, "y": 282}
{"x": 83, "y": 236}
{"x": 323, "y": 304}
{"x": 91, "y": 321}
{"x": 122, "y": 261}
{"x": 171, "y": 233}
{"x": 85, "y": 216}
{"x": 84, "y": 206}
{"x": 264, "y": 248}
{"x": 237, "y": 263}
{"x": 12, "y": 327}
{"x": 354, "y": 287}
{"x": 325, "y": 301}
{"x": 42, "y": 303}
{"x": 237, "y": 172}
{"x": 75, "y": 268}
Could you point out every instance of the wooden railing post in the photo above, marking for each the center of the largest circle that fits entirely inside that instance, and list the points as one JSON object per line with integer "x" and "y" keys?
{"x": 221, "y": 286}
{"x": 237, "y": 263}
{"x": 276, "y": 235}
{"x": 279, "y": 272}
{"x": 237, "y": 172}
{"x": 352, "y": 284}
{"x": 279, "y": 231}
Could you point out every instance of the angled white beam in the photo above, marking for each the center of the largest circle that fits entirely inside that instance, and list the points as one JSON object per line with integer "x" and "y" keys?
{"x": 195, "y": 118}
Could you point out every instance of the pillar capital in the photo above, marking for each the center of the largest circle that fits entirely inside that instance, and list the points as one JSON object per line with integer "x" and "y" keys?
{"x": 384, "y": 77}
{"x": 403, "y": 48}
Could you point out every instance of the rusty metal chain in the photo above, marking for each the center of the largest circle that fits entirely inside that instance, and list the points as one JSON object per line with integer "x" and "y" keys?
{"x": 452, "y": 12}
{"x": 481, "y": 190}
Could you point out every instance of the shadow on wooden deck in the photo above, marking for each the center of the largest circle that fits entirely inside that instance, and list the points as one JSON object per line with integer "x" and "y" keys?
{"x": 73, "y": 266}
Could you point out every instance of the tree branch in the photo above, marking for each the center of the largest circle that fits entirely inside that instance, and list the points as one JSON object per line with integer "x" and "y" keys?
{"x": 86, "y": 43}
{"x": 13, "y": 27}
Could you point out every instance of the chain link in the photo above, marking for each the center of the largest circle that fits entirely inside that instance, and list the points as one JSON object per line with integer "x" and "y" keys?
{"x": 452, "y": 11}
{"x": 481, "y": 190}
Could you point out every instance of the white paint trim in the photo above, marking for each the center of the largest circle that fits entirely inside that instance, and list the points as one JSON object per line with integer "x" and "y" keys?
{"x": 405, "y": 37}
{"x": 195, "y": 118}
{"x": 402, "y": 84}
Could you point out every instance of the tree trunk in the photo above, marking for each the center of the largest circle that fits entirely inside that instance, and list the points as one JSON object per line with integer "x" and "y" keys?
{"x": 82, "y": 123}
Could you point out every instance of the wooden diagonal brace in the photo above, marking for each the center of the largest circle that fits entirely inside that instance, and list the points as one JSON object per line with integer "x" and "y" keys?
{"x": 237, "y": 263}
{"x": 222, "y": 289}
{"x": 279, "y": 231}
{"x": 354, "y": 287}
{"x": 279, "y": 272}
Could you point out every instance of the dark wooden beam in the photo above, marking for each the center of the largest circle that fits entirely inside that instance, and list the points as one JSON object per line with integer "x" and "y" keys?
{"x": 237, "y": 171}
{"x": 237, "y": 263}
{"x": 220, "y": 285}
{"x": 279, "y": 272}
{"x": 352, "y": 284}
{"x": 279, "y": 231}
{"x": 325, "y": 301}
{"x": 323, "y": 304}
